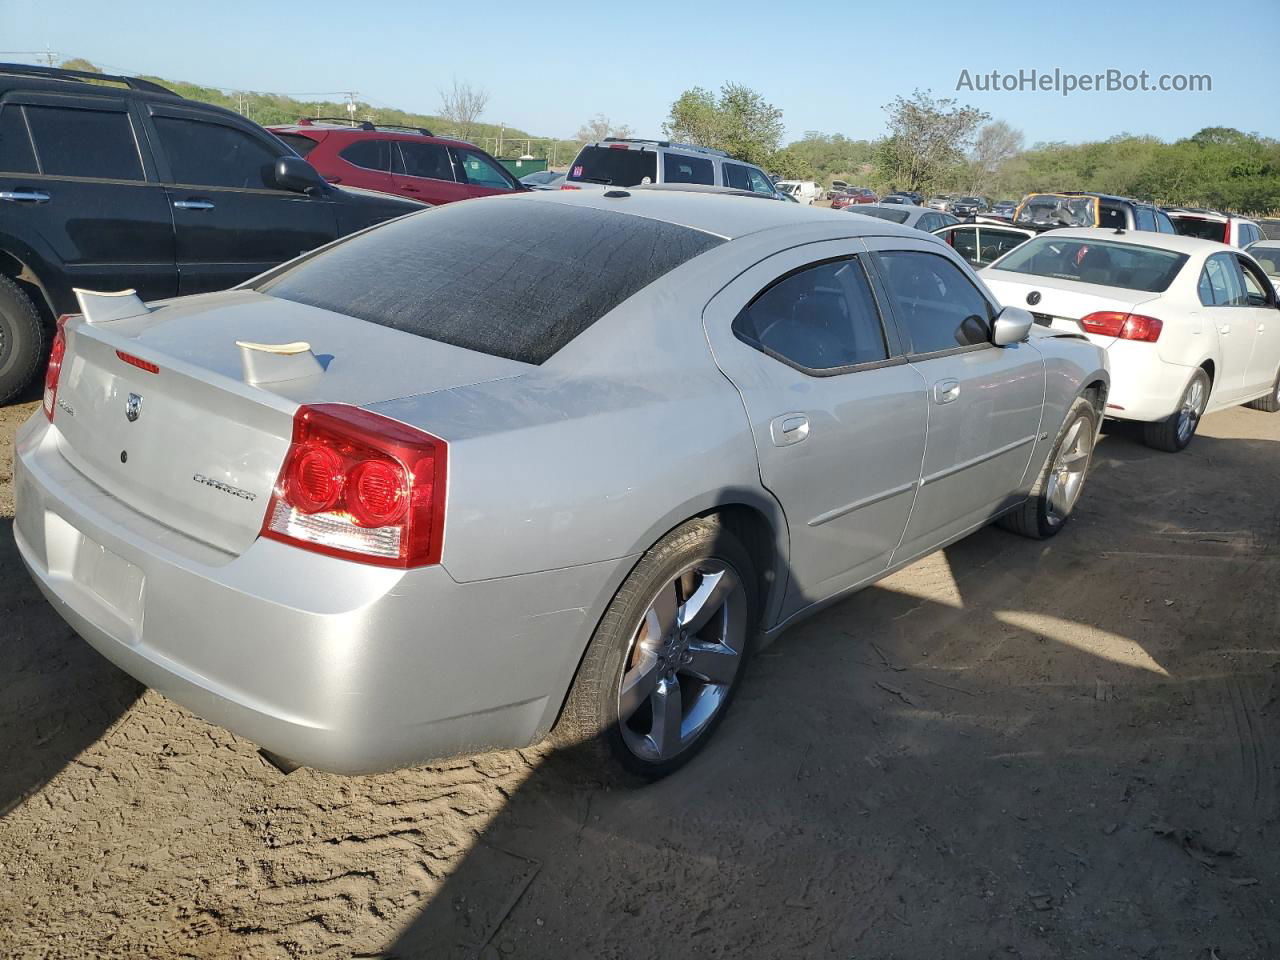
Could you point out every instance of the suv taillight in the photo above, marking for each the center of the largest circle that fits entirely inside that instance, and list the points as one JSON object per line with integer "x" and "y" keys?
{"x": 1126, "y": 326}
{"x": 360, "y": 486}
{"x": 54, "y": 370}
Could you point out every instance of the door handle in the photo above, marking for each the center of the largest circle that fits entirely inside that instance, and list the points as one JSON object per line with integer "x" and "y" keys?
{"x": 193, "y": 204}
{"x": 788, "y": 429}
{"x": 945, "y": 391}
{"x": 24, "y": 196}
{"x": 1262, "y": 327}
{"x": 1225, "y": 328}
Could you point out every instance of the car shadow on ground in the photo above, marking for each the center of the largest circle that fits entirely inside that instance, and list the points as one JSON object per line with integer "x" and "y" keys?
{"x": 1012, "y": 748}
{"x": 57, "y": 695}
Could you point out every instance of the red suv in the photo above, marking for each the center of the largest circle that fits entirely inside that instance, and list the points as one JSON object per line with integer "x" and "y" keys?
{"x": 404, "y": 160}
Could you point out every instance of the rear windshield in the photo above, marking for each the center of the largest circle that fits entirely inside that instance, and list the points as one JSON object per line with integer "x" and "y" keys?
{"x": 1268, "y": 258}
{"x": 302, "y": 145}
{"x": 508, "y": 277}
{"x": 1200, "y": 227}
{"x": 1095, "y": 261}
{"x": 1048, "y": 210}
{"x": 897, "y": 216}
{"x": 615, "y": 166}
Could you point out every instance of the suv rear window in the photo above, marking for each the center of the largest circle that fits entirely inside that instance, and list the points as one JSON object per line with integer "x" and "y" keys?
{"x": 1123, "y": 265}
{"x": 1202, "y": 228}
{"x": 302, "y": 145}
{"x": 517, "y": 279}
{"x": 615, "y": 166}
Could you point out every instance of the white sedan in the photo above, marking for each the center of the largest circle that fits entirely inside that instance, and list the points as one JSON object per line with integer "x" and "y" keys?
{"x": 1190, "y": 326}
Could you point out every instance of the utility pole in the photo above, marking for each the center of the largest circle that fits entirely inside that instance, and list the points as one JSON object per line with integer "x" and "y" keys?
{"x": 502, "y": 129}
{"x": 351, "y": 105}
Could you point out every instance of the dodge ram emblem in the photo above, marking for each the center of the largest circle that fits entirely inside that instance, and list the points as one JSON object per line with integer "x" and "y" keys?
{"x": 133, "y": 407}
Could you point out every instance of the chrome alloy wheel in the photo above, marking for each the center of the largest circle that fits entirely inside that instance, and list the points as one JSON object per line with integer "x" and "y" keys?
{"x": 1192, "y": 407}
{"x": 684, "y": 659}
{"x": 1067, "y": 475}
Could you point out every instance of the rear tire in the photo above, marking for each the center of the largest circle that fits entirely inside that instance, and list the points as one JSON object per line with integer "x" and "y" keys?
{"x": 1271, "y": 402}
{"x": 599, "y": 733}
{"x": 22, "y": 340}
{"x": 1174, "y": 432}
{"x": 1053, "y": 496}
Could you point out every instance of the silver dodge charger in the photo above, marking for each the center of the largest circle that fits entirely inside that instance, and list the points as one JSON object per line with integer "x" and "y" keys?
{"x": 536, "y": 465}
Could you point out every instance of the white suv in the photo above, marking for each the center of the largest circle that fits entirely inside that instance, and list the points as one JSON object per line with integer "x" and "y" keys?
{"x": 615, "y": 162}
{"x": 1212, "y": 225}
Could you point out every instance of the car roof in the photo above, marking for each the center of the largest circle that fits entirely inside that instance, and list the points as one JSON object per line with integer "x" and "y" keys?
{"x": 330, "y": 129}
{"x": 1145, "y": 238}
{"x": 722, "y": 215}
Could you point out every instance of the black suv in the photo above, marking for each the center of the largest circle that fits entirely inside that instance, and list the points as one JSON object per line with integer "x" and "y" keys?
{"x": 130, "y": 185}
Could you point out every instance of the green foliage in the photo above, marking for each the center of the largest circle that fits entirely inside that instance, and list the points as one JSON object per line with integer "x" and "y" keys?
{"x": 739, "y": 121}
{"x": 832, "y": 156}
{"x": 927, "y": 140}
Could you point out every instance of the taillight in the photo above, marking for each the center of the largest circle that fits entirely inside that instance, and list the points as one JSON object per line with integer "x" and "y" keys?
{"x": 361, "y": 486}
{"x": 58, "y": 351}
{"x": 1126, "y": 326}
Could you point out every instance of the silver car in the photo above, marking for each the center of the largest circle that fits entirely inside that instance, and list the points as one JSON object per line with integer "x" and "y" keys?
{"x": 909, "y": 215}
{"x": 543, "y": 464}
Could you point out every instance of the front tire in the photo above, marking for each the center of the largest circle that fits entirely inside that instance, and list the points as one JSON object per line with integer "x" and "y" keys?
{"x": 667, "y": 657}
{"x": 1174, "y": 432}
{"x": 22, "y": 340}
{"x": 1057, "y": 490}
{"x": 1271, "y": 402}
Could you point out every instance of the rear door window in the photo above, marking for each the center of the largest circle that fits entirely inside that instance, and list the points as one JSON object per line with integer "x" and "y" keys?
{"x": 429, "y": 160}
{"x": 518, "y": 279}
{"x": 964, "y": 240}
{"x": 16, "y": 155}
{"x": 84, "y": 143}
{"x": 736, "y": 176}
{"x": 1144, "y": 219}
{"x": 615, "y": 166}
{"x": 212, "y": 155}
{"x": 820, "y": 318}
{"x": 938, "y": 306}
{"x": 679, "y": 168}
{"x": 369, "y": 154}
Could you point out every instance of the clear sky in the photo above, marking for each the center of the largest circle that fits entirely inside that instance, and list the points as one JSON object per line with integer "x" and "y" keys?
{"x": 550, "y": 66}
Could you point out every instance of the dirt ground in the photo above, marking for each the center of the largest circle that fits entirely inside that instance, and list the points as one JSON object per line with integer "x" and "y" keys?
{"x": 1009, "y": 749}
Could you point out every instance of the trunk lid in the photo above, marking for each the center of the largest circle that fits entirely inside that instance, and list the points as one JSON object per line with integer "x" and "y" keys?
{"x": 195, "y": 447}
{"x": 1061, "y": 303}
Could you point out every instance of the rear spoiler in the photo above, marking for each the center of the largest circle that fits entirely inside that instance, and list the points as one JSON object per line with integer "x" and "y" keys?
{"x": 98, "y": 307}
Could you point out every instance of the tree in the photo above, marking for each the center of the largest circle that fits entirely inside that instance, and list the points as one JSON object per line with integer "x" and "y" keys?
{"x": 461, "y": 104}
{"x": 738, "y": 121}
{"x": 79, "y": 63}
{"x": 996, "y": 144}
{"x": 927, "y": 138}
{"x": 789, "y": 165}
{"x": 600, "y": 126}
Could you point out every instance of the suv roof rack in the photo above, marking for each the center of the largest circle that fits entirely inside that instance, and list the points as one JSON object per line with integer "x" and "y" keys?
{"x": 668, "y": 143}
{"x": 363, "y": 125}
{"x": 62, "y": 73}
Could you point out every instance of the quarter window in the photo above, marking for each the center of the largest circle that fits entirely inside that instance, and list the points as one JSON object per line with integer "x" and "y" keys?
{"x": 819, "y": 318}
{"x": 302, "y": 145}
{"x": 939, "y": 306}
{"x": 16, "y": 155}
{"x": 678, "y": 168}
{"x": 425, "y": 160}
{"x": 211, "y": 155}
{"x": 369, "y": 154}
{"x": 84, "y": 143}
{"x": 965, "y": 242}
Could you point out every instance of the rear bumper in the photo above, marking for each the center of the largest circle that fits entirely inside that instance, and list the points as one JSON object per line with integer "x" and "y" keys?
{"x": 1143, "y": 386}
{"x": 332, "y": 664}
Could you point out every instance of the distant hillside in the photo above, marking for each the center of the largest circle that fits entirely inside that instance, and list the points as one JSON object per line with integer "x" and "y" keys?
{"x": 269, "y": 108}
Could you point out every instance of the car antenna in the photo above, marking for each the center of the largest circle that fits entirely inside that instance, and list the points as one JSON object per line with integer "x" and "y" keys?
{"x": 1120, "y": 231}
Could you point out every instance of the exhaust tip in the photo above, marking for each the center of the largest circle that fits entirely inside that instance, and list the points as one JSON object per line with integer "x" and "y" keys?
{"x": 283, "y": 764}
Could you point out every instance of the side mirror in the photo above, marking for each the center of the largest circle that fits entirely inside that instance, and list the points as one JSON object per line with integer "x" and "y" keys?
{"x": 294, "y": 173}
{"x": 1013, "y": 325}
